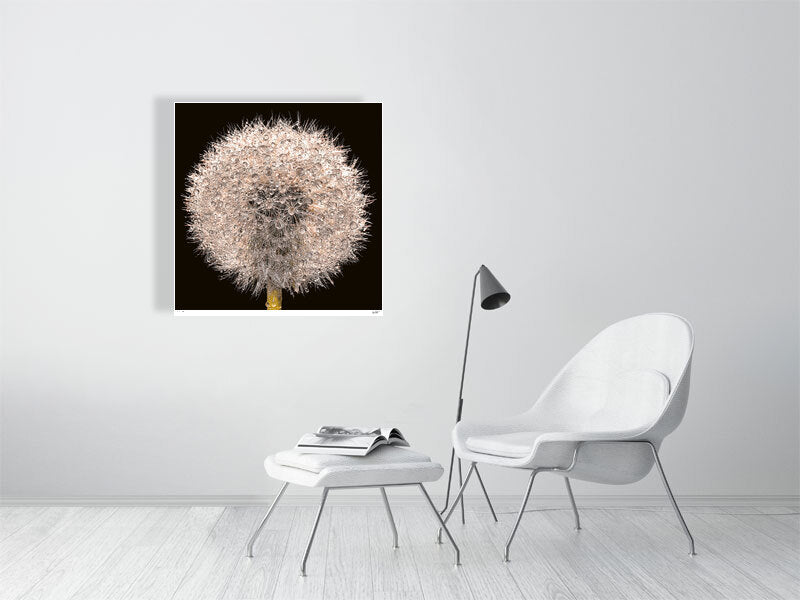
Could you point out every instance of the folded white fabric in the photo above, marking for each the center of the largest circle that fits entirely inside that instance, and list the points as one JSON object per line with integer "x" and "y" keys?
{"x": 387, "y": 465}
{"x": 380, "y": 456}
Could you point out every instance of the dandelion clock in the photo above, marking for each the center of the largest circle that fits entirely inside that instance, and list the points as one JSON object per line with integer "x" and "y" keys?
{"x": 277, "y": 206}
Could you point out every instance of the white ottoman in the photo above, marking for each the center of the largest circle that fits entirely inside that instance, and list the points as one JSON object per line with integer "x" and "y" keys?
{"x": 383, "y": 467}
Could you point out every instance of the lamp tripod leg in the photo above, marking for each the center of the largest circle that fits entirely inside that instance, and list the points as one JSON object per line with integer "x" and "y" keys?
{"x": 455, "y": 502}
{"x": 461, "y": 483}
{"x": 449, "y": 481}
{"x": 442, "y": 525}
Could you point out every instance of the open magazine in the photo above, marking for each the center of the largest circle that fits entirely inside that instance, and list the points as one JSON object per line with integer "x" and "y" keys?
{"x": 349, "y": 441}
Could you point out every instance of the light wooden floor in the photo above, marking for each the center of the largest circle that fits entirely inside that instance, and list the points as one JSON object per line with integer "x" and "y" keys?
{"x": 162, "y": 553}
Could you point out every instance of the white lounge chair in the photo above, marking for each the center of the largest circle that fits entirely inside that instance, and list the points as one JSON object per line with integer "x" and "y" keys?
{"x": 601, "y": 419}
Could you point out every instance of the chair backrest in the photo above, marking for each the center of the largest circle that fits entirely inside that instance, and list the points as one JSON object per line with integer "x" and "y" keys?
{"x": 632, "y": 375}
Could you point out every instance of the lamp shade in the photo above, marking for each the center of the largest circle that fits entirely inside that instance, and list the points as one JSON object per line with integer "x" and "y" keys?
{"x": 493, "y": 295}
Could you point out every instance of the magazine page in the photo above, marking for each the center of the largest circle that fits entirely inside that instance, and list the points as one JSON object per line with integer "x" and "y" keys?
{"x": 355, "y": 442}
{"x": 341, "y": 430}
{"x": 392, "y": 434}
{"x": 348, "y": 445}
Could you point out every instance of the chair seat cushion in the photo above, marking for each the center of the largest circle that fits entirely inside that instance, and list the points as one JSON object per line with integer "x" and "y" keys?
{"x": 509, "y": 445}
{"x": 387, "y": 465}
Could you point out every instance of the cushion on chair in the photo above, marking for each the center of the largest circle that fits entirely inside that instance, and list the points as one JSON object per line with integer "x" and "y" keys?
{"x": 380, "y": 456}
{"x": 510, "y": 445}
{"x": 633, "y": 399}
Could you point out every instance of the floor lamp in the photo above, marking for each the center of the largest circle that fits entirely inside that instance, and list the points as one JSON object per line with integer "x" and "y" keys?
{"x": 493, "y": 295}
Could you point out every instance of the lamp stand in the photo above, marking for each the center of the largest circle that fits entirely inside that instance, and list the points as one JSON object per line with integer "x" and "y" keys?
{"x": 458, "y": 418}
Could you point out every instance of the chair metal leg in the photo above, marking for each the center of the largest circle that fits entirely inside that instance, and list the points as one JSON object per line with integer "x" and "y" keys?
{"x": 257, "y": 532}
{"x": 461, "y": 482}
{"x": 574, "y": 507}
{"x": 485, "y": 495}
{"x": 442, "y": 523}
{"x": 519, "y": 516}
{"x": 455, "y": 502}
{"x": 313, "y": 531}
{"x": 672, "y": 500}
{"x": 391, "y": 518}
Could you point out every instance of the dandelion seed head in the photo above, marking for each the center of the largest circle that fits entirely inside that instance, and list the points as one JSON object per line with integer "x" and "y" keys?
{"x": 278, "y": 205}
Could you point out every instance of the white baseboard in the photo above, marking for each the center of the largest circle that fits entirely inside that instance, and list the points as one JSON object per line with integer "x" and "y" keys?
{"x": 365, "y": 499}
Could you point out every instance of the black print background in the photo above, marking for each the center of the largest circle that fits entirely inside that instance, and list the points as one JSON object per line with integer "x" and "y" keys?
{"x": 197, "y": 285}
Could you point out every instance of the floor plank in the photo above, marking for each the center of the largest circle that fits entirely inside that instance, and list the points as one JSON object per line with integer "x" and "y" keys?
{"x": 643, "y": 581}
{"x": 782, "y": 527}
{"x": 438, "y": 577}
{"x": 349, "y": 565}
{"x": 584, "y": 559}
{"x": 65, "y": 578}
{"x": 28, "y": 536}
{"x": 106, "y": 553}
{"x": 487, "y": 575}
{"x": 752, "y": 552}
{"x": 783, "y": 534}
{"x": 290, "y": 585}
{"x": 785, "y": 511}
{"x": 590, "y": 558}
{"x": 163, "y": 574}
{"x": 255, "y": 578}
{"x": 394, "y": 572}
{"x": 114, "y": 576}
{"x": 709, "y": 571}
{"x": 658, "y": 550}
{"x": 211, "y": 570}
{"x": 12, "y": 519}
{"x": 537, "y": 576}
{"x": 40, "y": 560}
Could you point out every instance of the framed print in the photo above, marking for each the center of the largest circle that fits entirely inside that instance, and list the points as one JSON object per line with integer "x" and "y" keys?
{"x": 278, "y": 208}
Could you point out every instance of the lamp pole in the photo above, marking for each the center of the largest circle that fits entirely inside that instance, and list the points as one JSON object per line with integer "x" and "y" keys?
{"x": 458, "y": 417}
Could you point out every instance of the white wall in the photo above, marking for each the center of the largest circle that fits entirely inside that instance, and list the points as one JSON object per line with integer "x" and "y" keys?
{"x": 603, "y": 159}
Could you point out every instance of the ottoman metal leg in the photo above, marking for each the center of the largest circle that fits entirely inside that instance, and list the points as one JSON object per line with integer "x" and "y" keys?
{"x": 264, "y": 520}
{"x": 313, "y": 531}
{"x": 442, "y": 523}
{"x": 391, "y": 518}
